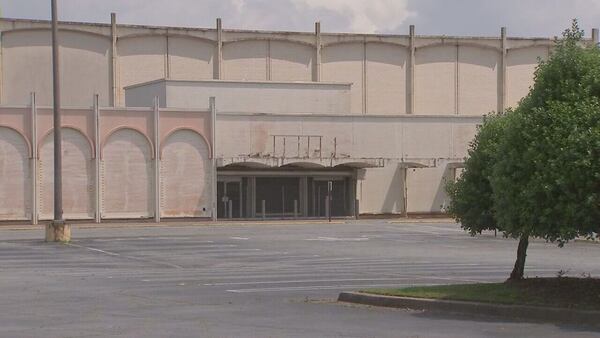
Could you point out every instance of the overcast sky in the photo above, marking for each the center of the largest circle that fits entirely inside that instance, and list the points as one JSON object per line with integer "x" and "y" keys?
{"x": 450, "y": 17}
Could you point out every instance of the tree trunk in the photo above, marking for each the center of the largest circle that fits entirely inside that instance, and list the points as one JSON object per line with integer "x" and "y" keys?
{"x": 517, "y": 273}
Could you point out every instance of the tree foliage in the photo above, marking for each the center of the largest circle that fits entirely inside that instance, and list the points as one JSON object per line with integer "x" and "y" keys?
{"x": 535, "y": 171}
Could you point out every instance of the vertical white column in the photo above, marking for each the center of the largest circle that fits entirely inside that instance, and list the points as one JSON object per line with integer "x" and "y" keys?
{"x": 457, "y": 80}
{"x": 405, "y": 192}
{"x": 113, "y": 61}
{"x": 502, "y": 96}
{"x": 97, "y": 159}
{"x": 269, "y": 71}
{"x": 167, "y": 57}
{"x": 317, "y": 72}
{"x": 595, "y": 36}
{"x": 34, "y": 162}
{"x": 364, "y": 77}
{"x": 156, "y": 160}
{"x": 218, "y": 74}
{"x": 1, "y": 69}
{"x": 410, "y": 98}
{"x": 213, "y": 147}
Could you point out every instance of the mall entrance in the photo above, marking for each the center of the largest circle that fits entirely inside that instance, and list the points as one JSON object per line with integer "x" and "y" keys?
{"x": 285, "y": 194}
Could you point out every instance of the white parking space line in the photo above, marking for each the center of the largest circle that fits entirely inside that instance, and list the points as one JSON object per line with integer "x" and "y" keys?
{"x": 240, "y": 238}
{"x": 306, "y": 281}
{"x": 147, "y": 260}
{"x": 327, "y": 287}
{"x": 94, "y": 249}
{"x": 335, "y": 239}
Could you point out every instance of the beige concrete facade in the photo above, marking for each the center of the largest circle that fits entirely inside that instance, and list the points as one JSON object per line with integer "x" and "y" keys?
{"x": 395, "y": 112}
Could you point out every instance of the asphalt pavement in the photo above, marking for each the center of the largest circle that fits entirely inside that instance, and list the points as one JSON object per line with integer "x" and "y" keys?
{"x": 260, "y": 280}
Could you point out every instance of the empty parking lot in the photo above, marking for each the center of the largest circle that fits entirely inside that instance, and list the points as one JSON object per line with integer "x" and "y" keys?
{"x": 258, "y": 280}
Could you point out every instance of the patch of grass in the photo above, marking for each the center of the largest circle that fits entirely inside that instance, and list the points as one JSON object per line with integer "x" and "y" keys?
{"x": 566, "y": 292}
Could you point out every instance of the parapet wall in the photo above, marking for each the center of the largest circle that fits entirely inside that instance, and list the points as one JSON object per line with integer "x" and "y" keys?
{"x": 390, "y": 74}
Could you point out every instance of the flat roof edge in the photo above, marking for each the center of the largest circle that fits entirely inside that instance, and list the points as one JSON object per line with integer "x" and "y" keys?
{"x": 308, "y": 83}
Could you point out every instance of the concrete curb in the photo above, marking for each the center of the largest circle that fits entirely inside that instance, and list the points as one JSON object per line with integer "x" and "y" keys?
{"x": 518, "y": 312}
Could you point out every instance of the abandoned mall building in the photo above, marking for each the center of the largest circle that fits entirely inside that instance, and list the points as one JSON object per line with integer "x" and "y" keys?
{"x": 169, "y": 122}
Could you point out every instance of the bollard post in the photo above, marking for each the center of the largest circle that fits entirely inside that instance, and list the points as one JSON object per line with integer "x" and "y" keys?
{"x": 327, "y": 214}
{"x": 295, "y": 209}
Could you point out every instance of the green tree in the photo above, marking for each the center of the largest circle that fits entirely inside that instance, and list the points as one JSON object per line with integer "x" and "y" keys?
{"x": 471, "y": 199}
{"x": 543, "y": 178}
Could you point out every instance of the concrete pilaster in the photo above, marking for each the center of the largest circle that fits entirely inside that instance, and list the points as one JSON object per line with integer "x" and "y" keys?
{"x": 317, "y": 73}
{"x": 156, "y": 160}
{"x": 364, "y": 78}
{"x": 595, "y": 36}
{"x": 405, "y": 192}
{"x": 502, "y": 77}
{"x": 167, "y": 57}
{"x": 213, "y": 156}
{"x": 34, "y": 162}
{"x": 1, "y": 69}
{"x": 114, "y": 99}
{"x": 457, "y": 81}
{"x": 269, "y": 72}
{"x": 97, "y": 190}
{"x": 410, "y": 78}
{"x": 218, "y": 73}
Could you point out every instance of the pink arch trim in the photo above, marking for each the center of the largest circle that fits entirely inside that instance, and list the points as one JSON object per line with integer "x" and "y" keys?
{"x": 29, "y": 148}
{"x": 130, "y": 128}
{"x": 90, "y": 143}
{"x": 162, "y": 147}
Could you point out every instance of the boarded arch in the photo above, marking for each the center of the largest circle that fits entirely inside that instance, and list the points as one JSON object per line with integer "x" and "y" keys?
{"x": 127, "y": 176}
{"x": 78, "y": 176}
{"x": 15, "y": 177}
{"x": 185, "y": 176}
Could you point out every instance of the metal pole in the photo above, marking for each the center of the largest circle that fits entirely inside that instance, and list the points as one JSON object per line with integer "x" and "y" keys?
{"x": 57, "y": 231}
{"x": 58, "y": 212}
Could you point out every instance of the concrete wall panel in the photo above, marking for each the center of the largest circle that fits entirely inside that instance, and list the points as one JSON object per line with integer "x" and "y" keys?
{"x": 27, "y": 67}
{"x": 478, "y": 80}
{"x": 521, "y": 64}
{"x": 78, "y": 177}
{"x": 185, "y": 176}
{"x": 344, "y": 63}
{"x": 252, "y": 96}
{"x": 462, "y": 135}
{"x": 386, "y": 79}
{"x": 291, "y": 61}
{"x": 435, "y": 80}
{"x": 15, "y": 177}
{"x": 382, "y": 191}
{"x": 427, "y": 140}
{"x": 128, "y": 176}
{"x": 141, "y": 59}
{"x": 426, "y": 189}
{"x": 245, "y": 60}
{"x": 190, "y": 59}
